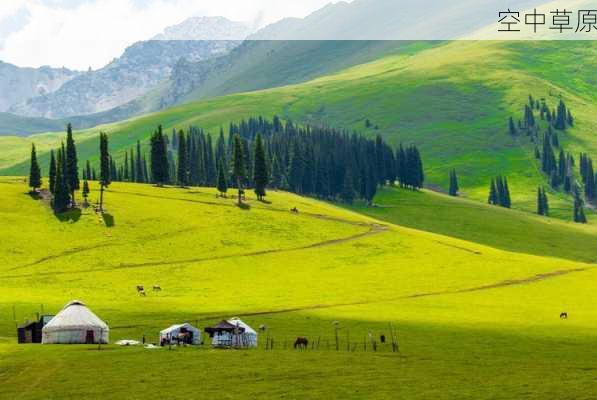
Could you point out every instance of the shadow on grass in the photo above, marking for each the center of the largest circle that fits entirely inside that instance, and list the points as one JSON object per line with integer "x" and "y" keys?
{"x": 108, "y": 220}
{"x": 73, "y": 215}
{"x": 244, "y": 206}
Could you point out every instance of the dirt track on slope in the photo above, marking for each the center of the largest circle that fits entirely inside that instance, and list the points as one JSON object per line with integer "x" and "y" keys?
{"x": 374, "y": 229}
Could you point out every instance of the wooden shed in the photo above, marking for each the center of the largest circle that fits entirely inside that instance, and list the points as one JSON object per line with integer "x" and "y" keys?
{"x": 30, "y": 332}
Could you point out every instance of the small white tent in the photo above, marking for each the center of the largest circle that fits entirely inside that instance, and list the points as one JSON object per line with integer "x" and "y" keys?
{"x": 75, "y": 324}
{"x": 233, "y": 333}
{"x": 188, "y": 335}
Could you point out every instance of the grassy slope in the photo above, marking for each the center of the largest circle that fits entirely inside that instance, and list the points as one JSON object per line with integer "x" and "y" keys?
{"x": 492, "y": 226}
{"x": 207, "y": 255}
{"x": 453, "y": 101}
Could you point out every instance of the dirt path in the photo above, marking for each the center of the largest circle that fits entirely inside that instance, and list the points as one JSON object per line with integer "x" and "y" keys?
{"x": 374, "y": 229}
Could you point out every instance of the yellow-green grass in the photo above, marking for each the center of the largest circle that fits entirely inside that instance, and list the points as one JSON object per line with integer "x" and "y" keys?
{"x": 452, "y": 100}
{"x": 510, "y": 230}
{"x": 473, "y": 321}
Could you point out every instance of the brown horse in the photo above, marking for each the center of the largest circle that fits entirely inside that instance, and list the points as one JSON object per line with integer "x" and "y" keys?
{"x": 301, "y": 343}
{"x": 564, "y": 315}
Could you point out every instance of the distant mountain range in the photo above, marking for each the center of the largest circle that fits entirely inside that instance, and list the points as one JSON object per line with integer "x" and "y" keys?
{"x": 141, "y": 68}
{"x": 19, "y": 84}
{"x": 206, "y": 57}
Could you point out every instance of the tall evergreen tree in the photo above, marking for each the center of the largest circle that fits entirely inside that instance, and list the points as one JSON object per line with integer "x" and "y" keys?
{"x": 72, "y": 168}
{"x": 62, "y": 199}
{"x": 260, "y": 170}
{"x": 542, "y": 202}
{"x": 222, "y": 180}
{"x": 347, "y": 194}
{"x": 160, "y": 165}
{"x": 52, "y": 172}
{"x": 85, "y": 193}
{"x": 183, "y": 161}
{"x": 453, "y": 184}
{"x": 512, "y": 127}
{"x": 105, "y": 177}
{"x": 561, "y": 116}
{"x": 34, "y": 171}
{"x": 238, "y": 166}
{"x": 579, "y": 212}
{"x": 493, "y": 194}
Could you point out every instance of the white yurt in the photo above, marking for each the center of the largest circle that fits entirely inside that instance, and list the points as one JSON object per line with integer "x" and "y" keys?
{"x": 75, "y": 324}
{"x": 180, "y": 334}
{"x": 233, "y": 333}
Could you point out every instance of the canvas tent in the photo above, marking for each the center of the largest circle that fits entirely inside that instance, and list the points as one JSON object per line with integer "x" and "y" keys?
{"x": 75, "y": 324}
{"x": 180, "y": 334}
{"x": 232, "y": 333}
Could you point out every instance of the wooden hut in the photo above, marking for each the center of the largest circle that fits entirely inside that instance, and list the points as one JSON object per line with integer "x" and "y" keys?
{"x": 31, "y": 332}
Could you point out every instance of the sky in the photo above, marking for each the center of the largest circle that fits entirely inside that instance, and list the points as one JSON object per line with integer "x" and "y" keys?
{"x": 79, "y": 34}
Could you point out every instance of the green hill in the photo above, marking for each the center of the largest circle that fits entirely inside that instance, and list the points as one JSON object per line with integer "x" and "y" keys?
{"x": 453, "y": 101}
{"x": 481, "y": 223}
{"x": 459, "y": 308}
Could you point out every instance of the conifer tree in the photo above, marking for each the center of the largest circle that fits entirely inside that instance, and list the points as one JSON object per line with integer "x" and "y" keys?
{"x": 347, "y": 194}
{"x": 579, "y": 213}
{"x": 183, "y": 161}
{"x": 34, "y": 172}
{"x": 260, "y": 171}
{"x": 512, "y": 127}
{"x": 52, "y": 172}
{"x": 454, "y": 189}
{"x": 160, "y": 165}
{"x": 61, "y": 200}
{"x": 493, "y": 194}
{"x": 238, "y": 166}
{"x": 140, "y": 168}
{"x": 590, "y": 189}
{"x": 88, "y": 172}
{"x": 542, "y": 202}
{"x": 295, "y": 171}
{"x": 561, "y": 116}
{"x": 85, "y": 193}
{"x": 222, "y": 180}
{"x": 105, "y": 177}
{"x": 72, "y": 168}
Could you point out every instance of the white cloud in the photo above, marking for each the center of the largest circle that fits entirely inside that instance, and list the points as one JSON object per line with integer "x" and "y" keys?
{"x": 82, "y": 33}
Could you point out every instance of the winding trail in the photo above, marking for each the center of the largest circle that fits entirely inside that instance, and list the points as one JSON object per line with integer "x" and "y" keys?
{"x": 374, "y": 229}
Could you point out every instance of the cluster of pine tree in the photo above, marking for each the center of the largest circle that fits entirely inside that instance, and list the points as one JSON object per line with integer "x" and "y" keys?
{"x": 560, "y": 118}
{"x": 561, "y": 170}
{"x": 499, "y": 192}
{"x": 589, "y": 179}
{"x": 258, "y": 153}
{"x": 542, "y": 202}
{"x": 579, "y": 212}
{"x": 64, "y": 174}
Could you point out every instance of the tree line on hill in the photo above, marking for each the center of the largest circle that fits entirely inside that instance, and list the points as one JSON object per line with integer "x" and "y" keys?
{"x": 560, "y": 170}
{"x": 259, "y": 154}
{"x": 256, "y": 154}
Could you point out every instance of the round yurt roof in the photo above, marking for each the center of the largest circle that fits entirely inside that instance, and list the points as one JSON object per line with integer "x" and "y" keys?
{"x": 239, "y": 323}
{"x": 75, "y": 315}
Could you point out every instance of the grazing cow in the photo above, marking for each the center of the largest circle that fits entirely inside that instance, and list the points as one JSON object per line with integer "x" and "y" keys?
{"x": 301, "y": 343}
{"x": 157, "y": 288}
{"x": 564, "y": 315}
{"x": 142, "y": 293}
{"x": 140, "y": 288}
{"x": 295, "y": 210}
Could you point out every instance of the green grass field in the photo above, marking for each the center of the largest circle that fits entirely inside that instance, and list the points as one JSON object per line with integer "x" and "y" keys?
{"x": 452, "y": 100}
{"x": 474, "y": 320}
